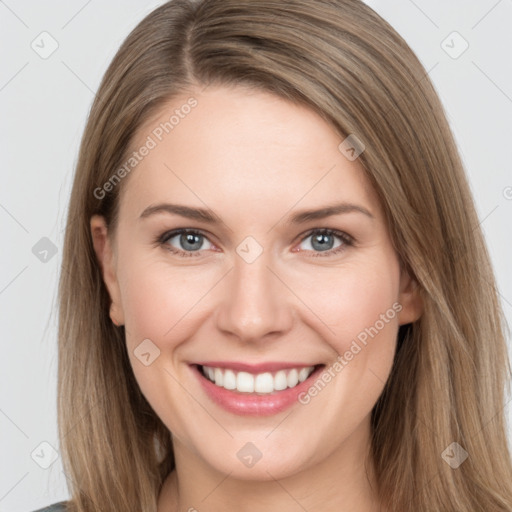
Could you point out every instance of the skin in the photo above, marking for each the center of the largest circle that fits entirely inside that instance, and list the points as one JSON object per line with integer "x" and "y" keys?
{"x": 255, "y": 159}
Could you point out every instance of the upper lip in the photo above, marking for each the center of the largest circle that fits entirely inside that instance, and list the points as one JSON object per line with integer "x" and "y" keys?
{"x": 270, "y": 366}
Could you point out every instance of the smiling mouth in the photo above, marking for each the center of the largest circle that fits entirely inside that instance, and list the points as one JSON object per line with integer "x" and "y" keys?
{"x": 264, "y": 383}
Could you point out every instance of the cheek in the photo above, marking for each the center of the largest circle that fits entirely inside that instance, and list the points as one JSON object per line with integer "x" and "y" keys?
{"x": 355, "y": 299}
{"x": 160, "y": 302}
{"x": 157, "y": 300}
{"x": 159, "y": 305}
{"x": 360, "y": 307}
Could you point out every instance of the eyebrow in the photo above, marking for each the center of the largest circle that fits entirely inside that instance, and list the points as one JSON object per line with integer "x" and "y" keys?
{"x": 208, "y": 216}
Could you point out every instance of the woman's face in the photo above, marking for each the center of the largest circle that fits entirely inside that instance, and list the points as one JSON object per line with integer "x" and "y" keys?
{"x": 287, "y": 267}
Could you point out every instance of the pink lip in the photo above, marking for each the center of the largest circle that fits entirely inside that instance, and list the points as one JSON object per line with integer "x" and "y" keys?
{"x": 249, "y": 404}
{"x": 254, "y": 368}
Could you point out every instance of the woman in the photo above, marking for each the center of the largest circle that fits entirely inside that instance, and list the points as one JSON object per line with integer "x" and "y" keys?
{"x": 275, "y": 294}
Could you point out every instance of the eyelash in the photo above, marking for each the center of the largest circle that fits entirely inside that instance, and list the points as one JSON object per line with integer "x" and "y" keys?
{"x": 347, "y": 241}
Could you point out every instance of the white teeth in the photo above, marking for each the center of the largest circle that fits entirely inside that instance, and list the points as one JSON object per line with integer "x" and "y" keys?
{"x": 245, "y": 382}
{"x": 229, "y": 379}
{"x": 293, "y": 378}
{"x": 265, "y": 383}
{"x": 280, "y": 381}
{"x": 303, "y": 374}
{"x": 219, "y": 377}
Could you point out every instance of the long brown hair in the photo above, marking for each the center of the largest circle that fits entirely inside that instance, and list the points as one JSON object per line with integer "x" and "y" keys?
{"x": 348, "y": 64}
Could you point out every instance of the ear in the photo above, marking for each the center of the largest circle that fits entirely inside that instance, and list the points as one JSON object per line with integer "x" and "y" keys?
{"x": 107, "y": 261}
{"x": 410, "y": 299}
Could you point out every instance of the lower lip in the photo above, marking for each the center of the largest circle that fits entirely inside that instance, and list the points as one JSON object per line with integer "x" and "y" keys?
{"x": 250, "y": 404}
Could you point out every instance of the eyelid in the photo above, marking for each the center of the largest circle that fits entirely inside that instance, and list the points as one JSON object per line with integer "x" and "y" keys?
{"x": 167, "y": 235}
{"x": 347, "y": 240}
{"x": 336, "y": 232}
{"x": 171, "y": 233}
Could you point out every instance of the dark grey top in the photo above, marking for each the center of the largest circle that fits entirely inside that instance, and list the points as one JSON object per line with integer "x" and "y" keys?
{"x": 56, "y": 507}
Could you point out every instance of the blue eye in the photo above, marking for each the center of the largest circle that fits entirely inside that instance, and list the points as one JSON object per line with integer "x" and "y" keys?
{"x": 324, "y": 241}
{"x": 190, "y": 242}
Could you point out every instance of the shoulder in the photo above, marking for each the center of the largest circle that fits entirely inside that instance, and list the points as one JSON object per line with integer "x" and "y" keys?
{"x": 56, "y": 507}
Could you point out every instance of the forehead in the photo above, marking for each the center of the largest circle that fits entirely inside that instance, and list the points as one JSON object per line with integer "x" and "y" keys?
{"x": 244, "y": 147}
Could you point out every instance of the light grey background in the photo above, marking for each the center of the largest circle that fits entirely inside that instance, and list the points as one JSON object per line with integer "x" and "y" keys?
{"x": 43, "y": 107}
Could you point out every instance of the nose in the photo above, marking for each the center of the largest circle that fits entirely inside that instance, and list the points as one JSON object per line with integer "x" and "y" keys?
{"x": 255, "y": 304}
